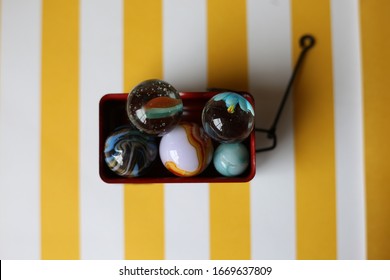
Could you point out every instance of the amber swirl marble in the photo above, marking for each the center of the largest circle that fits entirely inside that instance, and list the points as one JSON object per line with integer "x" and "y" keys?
{"x": 162, "y": 107}
{"x": 129, "y": 152}
{"x": 154, "y": 107}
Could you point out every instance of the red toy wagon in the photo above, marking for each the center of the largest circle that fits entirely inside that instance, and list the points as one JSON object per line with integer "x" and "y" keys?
{"x": 112, "y": 114}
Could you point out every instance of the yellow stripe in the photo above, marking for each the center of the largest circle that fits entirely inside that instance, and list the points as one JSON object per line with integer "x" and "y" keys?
{"x": 314, "y": 134}
{"x": 59, "y": 156}
{"x": 229, "y": 221}
{"x": 375, "y": 36}
{"x": 227, "y": 68}
{"x": 227, "y": 44}
{"x": 144, "y": 208}
{"x": 143, "y": 41}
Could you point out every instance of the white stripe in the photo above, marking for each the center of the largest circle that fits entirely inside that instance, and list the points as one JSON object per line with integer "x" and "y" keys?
{"x": 351, "y": 237}
{"x": 185, "y": 67}
{"x": 273, "y": 188}
{"x": 101, "y": 59}
{"x": 20, "y": 78}
{"x": 185, "y": 44}
{"x": 187, "y": 221}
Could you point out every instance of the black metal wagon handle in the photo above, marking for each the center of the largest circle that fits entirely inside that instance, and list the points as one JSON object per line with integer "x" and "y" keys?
{"x": 306, "y": 42}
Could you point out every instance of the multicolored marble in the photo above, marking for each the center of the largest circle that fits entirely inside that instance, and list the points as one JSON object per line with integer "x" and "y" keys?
{"x": 228, "y": 118}
{"x": 154, "y": 107}
{"x": 162, "y": 107}
{"x": 129, "y": 153}
{"x": 231, "y": 159}
{"x": 186, "y": 150}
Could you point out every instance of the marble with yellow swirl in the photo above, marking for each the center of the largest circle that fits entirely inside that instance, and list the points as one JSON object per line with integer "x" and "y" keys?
{"x": 228, "y": 117}
{"x": 186, "y": 150}
{"x": 129, "y": 152}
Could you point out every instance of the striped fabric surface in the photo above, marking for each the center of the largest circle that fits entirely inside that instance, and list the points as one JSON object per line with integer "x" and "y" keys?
{"x": 322, "y": 194}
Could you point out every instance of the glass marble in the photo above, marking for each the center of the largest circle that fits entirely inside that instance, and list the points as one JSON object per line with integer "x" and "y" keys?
{"x": 129, "y": 153}
{"x": 154, "y": 107}
{"x": 186, "y": 150}
{"x": 228, "y": 117}
{"x": 231, "y": 159}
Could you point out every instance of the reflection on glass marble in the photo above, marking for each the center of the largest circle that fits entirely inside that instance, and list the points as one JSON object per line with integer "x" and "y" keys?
{"x": 154, "y": 107}
{"x": 228, "y": 118}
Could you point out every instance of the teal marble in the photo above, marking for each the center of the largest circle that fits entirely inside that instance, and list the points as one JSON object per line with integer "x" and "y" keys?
{"x": 231, "y": 159}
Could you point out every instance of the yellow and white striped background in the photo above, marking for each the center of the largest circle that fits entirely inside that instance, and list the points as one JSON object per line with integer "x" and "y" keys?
{"x": 322, "y": 194}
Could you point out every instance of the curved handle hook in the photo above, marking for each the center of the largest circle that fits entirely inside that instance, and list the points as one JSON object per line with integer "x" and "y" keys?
{"x": 306, "y": 42}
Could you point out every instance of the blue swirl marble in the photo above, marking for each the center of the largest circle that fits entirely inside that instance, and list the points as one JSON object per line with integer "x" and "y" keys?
{"x": 129, "y": 153}
{"x": 231, "y": 159}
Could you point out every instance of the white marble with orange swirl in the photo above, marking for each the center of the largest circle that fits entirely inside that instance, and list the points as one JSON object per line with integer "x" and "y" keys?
{"x": 186, "y": 150}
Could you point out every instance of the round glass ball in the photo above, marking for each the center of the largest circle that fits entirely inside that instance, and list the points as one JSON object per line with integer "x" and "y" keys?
{"x": 186, "y": 150}
{"x": 228, "y": 117}
{"x": 129, "y": 153}
{"x": 154, "y": 107}
{"x": 231, "y": 159}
